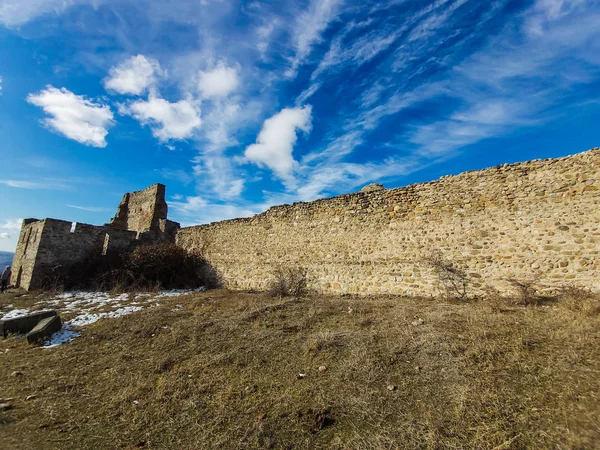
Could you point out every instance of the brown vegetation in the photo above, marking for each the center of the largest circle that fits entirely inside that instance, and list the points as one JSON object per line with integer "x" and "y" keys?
{"x": 224, "y": 372}
{"x": 151, "y": 266}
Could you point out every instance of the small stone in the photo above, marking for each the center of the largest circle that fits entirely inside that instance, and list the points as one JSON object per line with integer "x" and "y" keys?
{"x": 31, "y": 397}
{"x": 5, "y": 406}
{"x": 417, "y": 322}
{"x": 322, "y": 368}
{"x": 17, "y": 373}
{"x": 418, "y": 369}
{"x": 301, "y": 376}
{"x": 391, "y": 387}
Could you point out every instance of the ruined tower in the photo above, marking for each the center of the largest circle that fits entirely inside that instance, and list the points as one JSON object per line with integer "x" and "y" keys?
{"x": 45, "y": 244}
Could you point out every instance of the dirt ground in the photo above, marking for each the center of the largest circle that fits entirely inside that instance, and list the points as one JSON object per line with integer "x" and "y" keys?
{"x": 221, "y": 370}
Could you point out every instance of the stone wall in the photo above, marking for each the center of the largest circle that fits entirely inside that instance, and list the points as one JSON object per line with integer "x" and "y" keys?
{"x": 533, "y": 220}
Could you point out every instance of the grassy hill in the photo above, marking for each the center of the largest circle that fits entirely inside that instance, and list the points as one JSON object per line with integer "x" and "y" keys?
{"x": 221, "y": 370}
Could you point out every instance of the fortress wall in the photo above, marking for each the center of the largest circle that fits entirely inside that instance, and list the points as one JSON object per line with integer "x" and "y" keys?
{"x": 533, "y": 220}
{"x": 47, "y": 243}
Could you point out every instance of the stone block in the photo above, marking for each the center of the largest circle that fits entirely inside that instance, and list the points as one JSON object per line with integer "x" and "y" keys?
{"x": 23, "y": 324}
{"x": 44, "y": 329}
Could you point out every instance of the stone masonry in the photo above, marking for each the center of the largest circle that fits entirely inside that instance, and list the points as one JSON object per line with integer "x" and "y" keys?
{"x": 47, "y": 243}
{"x": 537, "y": 220}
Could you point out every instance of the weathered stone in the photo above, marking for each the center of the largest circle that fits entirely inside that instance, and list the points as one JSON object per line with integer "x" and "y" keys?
{"x": 373, "y": 187}
{"x": 43, "y": 330}
{"x": 23, "y": 324}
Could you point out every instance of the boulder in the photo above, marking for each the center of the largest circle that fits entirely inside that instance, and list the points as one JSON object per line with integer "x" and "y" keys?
{"x": 23, "y": 324}
{"x": 43, "y": 330}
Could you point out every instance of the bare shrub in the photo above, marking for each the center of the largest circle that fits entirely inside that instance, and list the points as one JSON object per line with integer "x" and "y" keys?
{"x": 526, "y": 291}
{"x": 288, "y": 281}
{"x": 494, "y": 300}
{"x": 452, "y": 280}
{"x": 580, "y": 300}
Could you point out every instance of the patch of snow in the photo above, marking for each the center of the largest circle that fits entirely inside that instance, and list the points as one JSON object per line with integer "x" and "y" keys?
{"x": 61, "y": 337}
{"x": 178, "y": 292}
{"x": 87, "y": 306}
{"x": 15, "y": 313}
{"x": 88, "y": 319}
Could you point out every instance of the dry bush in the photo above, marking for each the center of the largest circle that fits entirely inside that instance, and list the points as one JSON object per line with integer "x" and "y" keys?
{"x": 452, "y": 280}
{"x": 526, "y": 291}
{"x": 580, "y": 300}
{"x": 494, "y": 300}
{"x": 288, "y": 282}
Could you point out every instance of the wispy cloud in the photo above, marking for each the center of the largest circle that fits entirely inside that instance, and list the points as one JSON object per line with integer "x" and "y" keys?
{"x": 89, "y": 208}
{"x": 28, "y": 184}
{"x": 18, "y": 12}
{"x": 308, "y": 28}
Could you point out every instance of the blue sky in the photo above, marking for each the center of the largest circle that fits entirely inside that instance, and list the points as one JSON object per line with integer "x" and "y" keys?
{"x": 237, "y": 106}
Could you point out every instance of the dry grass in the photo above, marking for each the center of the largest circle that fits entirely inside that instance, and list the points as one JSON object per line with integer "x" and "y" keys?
{"x": 222, "y": 372}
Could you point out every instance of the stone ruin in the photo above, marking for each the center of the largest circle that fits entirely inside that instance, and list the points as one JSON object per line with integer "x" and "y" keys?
{"x": 536, "y": 220}
{"x": 47, "y": 243}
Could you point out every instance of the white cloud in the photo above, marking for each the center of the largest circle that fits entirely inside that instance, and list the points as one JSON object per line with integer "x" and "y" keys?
{"x": 133, "y": 76}
{"x": 218, "y": 82}
{"x": 12, "y": 225}
{"x": 190, "y": 205}
{"x": 0, "y": 85}
{"x": 277, "y": 138}
{"x": 9, "y": 234}
{"x": 74, "y": 116}
{"x": 167, "y": 120}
